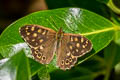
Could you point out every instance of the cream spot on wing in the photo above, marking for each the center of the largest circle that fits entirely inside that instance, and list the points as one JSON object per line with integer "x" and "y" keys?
{"x": 26, "y": 28}
{"x": 78, "y": 45}
{"x": 28, "y": 33}
{"x": 72, "y": 56}
{"x": 71, "y": 38}
{"x": 36, "y": 43}
{"x": 87, "y": 42}
{"x": 41, "y": 40}
{"x": 43, "y": 33}
{"x": 82, "y": 39}
{"x": 68, "y": 54}
{"x": 39, "y": 30}
{"x": 77, "y": 50}
{"x": 34, "y": 34}
{"x": 33, "y": 28}
{"x": 36, "y": 48}
{"x": 33, "y": 40}
{"x": 71, "y": 47}
{"x": 83, "y": 46}
{"x": 41, "y": 47}
{"x": 35, "y": 52}
{"x": 76, "y": 39}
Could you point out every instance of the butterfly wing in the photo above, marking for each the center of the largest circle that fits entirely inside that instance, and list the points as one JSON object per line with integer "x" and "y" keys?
{"x": 41, "y": 41}
{"x": 70, "y": 48}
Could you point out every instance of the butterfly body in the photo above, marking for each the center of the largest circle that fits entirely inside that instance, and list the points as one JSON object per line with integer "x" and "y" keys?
{"x": 45, "y": 42}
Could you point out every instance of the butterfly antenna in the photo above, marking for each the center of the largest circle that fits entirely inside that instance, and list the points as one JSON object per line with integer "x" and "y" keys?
{"x": 60, "y": 29}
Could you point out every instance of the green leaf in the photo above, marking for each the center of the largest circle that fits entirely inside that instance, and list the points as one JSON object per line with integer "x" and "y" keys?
{"x": 35, "y": 67}
{"x": 72, "y": 20}
{"x": 117, "y": 72}
{"x": 43, "y": 74}
{"x": 112, "y": 54}
{"x": 116, "y": 20}
{"x": 15, "y": 68}
{"x": 114, "y": 5}
{"x": 88, "y": 77}
{"x": 112, "y": 57}
{"x": 1, "y": 57}
{"x": 117, "y": 37}
{"x": 103, "y": 1}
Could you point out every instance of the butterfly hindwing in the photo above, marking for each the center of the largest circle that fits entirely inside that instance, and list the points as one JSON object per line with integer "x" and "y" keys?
{"x": 70, "y": 48}
{"x": 41, "y": 41}
{"x": 65, "y": 59}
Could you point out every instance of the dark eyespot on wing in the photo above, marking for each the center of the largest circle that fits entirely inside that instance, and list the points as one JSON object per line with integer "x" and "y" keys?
{"x": 68, "y": 62}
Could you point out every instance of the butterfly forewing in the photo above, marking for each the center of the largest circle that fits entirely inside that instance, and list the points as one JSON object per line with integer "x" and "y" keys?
{"x": 70, "y": 48}
{"x": 41, "y": 41}
{"x": 78, "y": 44}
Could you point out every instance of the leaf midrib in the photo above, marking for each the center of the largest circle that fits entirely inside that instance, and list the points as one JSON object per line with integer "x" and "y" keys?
{"x": 114, "y": 28}
{"x": 98, "y": 31}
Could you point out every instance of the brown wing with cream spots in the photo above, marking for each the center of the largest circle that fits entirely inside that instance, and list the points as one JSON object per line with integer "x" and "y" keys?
{"x": 41, "y": 41}
{"x": 65, "y": 59}
{"x": 79, "y": 45}
{"x": 70, "y": 48}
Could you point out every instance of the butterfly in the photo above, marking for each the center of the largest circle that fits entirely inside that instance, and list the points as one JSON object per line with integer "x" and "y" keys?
{"x": 45, "y": 42}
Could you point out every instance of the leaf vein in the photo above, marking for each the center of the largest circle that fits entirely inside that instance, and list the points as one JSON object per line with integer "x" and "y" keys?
{"x": 98, "y": 31}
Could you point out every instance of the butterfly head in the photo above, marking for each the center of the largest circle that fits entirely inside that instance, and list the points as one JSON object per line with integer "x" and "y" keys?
{"x": 59, "y": 34}
{"x": 60, "y": 31}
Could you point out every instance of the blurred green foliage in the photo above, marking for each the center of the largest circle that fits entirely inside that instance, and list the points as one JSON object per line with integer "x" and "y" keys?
{"x": 102, "y": 63}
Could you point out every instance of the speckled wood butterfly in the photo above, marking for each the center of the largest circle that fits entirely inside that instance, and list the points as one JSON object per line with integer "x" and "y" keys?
{"x": 45, "y": 42}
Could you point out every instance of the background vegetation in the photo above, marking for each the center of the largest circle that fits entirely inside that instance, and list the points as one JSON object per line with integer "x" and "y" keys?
{"x": 98, "y": 20}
